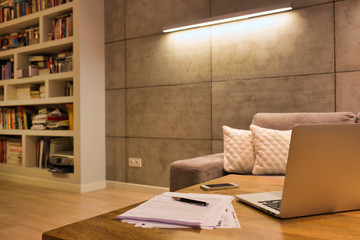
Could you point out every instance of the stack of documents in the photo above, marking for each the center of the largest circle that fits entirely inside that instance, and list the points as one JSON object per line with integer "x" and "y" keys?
{"x": 163, "y": 211}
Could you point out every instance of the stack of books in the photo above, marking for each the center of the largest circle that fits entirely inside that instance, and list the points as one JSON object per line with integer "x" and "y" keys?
{"x": 38, "y": 92}
{"x": 29, "y": 91}
{"x": 39, "y": 65}
{"x": 184, "y": 210}
{"x": 40, "y": 61}
{"x": 50, "y": 119}
{"x": 13, "y": 151}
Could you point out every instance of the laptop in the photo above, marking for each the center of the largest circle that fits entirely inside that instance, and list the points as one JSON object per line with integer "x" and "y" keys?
{"x": 322, "y": 173}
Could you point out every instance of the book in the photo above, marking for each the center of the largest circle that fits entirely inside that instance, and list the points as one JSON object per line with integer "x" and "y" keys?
{"x": 70, "y": 109}
{"x": 42, "y": 90}
{"x": 69, "y": 88}
{"x": 7, "y": 69}
{"x": 2, "y": 149}
{"x": 22, "y": 72}
{"x": 41, "y": 152}
{"x": 1, "y": 93}
{"x": 38, "y": 58}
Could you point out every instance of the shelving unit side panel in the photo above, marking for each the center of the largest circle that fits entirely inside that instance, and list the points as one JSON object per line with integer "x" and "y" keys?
{"x": 91, "y": 60}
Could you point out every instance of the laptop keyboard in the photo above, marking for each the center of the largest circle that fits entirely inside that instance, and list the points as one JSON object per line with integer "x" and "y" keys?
{"x": 274, "y": 204}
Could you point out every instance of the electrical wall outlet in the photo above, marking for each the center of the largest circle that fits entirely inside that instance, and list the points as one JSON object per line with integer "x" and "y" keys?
{"x": 135, "y": 162}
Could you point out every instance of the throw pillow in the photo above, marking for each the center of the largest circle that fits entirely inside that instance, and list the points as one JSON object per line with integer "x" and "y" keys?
{"x": 239, "y": 155}
{"x": 271, "y": 150}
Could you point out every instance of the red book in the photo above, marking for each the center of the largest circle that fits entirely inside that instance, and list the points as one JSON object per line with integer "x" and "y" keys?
{"x": 56, "y": 118}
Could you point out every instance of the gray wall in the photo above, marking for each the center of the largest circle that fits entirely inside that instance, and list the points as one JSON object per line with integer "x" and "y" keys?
{"x": 168, "y": 95}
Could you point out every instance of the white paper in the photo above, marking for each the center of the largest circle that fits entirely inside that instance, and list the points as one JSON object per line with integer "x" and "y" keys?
{"x": 148, "y": 224}
{"x": 164, "y": 209}
{"x": 228, "y": 219}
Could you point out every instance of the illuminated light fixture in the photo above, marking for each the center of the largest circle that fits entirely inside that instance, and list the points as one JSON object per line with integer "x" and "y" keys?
{"x": 230, "y": 17}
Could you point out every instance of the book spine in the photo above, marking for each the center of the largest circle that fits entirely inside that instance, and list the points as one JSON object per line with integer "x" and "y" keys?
{"x": 1, "y": 118}
{"x": 41, "y": 153}
{"x": 3, "y": 72}
{"x": 26, "y": 126}
{"x": 8, "y": 70}
{"x": 13, "y": 119}
{"x": 67, "y": 32}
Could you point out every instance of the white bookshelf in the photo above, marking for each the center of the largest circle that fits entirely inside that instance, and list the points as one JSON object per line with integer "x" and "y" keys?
{"x": 88, "y": 77}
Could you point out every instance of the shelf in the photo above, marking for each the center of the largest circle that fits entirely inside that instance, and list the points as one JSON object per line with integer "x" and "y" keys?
{"x": 58, "y": 10}
{"x": 19, "y": 23}
{"x": 88, "y": 144}
{"x": 63, "y": 75}
{"x": 37, "y": 101}
{"x": 39, "y": 78}
{"x": 15, "y": 167}
{"x": 58, "y": 45}
{"x": 34, "y": 171}
{"x": 48, "y": 47}
{"x": 18, "y": 81}
{"x": 47, "y": 133}
{"x": 11, "y": 132}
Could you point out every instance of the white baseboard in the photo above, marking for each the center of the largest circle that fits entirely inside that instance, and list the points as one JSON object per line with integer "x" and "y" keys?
{"x": 136, "y": 187}
{"x": 93, "y": 186}
{"x": 38, "y": 182}
{"x": 55, "y": 185}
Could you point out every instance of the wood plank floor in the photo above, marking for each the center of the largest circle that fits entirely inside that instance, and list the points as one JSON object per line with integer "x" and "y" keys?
{"x": 26, "y": 211}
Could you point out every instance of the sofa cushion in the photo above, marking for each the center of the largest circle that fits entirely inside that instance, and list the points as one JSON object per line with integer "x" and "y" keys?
{"x": 239, "y": 155}
{"x": 184, "y": 173}
{"x": 286, "y": 121}
{"x": 271, "y": 150}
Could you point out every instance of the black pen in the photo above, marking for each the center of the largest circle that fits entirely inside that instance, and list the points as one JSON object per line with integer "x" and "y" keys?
{"x": 192, "y": 201}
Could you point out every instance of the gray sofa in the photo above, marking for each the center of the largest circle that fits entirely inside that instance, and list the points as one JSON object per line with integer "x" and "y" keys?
{"x": 184, "y": 173}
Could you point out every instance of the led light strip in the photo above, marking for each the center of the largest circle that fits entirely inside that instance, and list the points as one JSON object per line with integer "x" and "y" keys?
{"x": 229, "y": 17}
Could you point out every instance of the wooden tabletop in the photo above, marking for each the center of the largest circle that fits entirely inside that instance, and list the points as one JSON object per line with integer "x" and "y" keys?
{"x": 254, "y": 223}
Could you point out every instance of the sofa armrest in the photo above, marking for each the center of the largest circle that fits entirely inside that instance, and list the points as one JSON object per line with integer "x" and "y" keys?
{"x": 185, "y": 173}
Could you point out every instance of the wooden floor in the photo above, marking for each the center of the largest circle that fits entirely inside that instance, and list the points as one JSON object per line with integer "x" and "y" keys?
{"x": 26, "y": 212}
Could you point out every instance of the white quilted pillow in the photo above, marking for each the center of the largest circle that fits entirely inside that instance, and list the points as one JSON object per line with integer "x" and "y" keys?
{"x": 271, "y": 150}
{"x": 239, "y": 155}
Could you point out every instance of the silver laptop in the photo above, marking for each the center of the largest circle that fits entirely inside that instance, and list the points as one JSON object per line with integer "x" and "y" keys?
{"x": 322, "y": 174}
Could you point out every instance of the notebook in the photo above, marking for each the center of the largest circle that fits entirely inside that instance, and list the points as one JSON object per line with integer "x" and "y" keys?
{"x": 322, "y": 173}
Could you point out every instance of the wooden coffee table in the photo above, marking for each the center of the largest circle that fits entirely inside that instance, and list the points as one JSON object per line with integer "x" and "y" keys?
{"x": 254, "y": 224}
